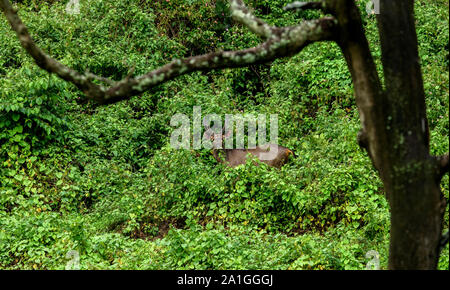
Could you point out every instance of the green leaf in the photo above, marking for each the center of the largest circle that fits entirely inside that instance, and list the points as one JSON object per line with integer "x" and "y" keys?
{"x": 18, "y": 129}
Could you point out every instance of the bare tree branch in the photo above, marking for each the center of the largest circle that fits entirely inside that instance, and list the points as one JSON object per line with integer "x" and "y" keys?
{"x": 298, "y": 5}
{"x": 281, "y": 42}
{"x": 241, "y": 13}
{"x": 91, "y": 76}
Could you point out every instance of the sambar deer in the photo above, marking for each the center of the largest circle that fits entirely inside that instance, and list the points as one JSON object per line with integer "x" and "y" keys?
{"x": 271, "y": 154}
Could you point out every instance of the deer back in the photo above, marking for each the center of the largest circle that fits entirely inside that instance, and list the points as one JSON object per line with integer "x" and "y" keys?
{"x": 278, "y": 156}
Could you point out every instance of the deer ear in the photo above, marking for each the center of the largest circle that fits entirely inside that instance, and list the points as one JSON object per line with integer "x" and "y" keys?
{"x": 209, "y": 133}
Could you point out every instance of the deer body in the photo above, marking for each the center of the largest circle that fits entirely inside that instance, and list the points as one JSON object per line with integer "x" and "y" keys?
{"x": 233, "y": 157}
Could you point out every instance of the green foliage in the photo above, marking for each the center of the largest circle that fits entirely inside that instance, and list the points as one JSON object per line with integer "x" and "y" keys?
{"x": 31, "y": 112}
{"x": 103, "y": 180}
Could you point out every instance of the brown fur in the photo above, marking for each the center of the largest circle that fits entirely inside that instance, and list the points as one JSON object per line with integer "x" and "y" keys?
{"x": 235, "y": 157}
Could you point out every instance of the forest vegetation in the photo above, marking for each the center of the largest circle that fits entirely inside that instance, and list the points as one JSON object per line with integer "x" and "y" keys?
{"x": 104, "y": 181}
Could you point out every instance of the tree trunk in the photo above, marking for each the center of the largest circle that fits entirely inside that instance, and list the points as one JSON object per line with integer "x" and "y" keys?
{"x": 411, "y": 178}
{"x": 395, "y": 129}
